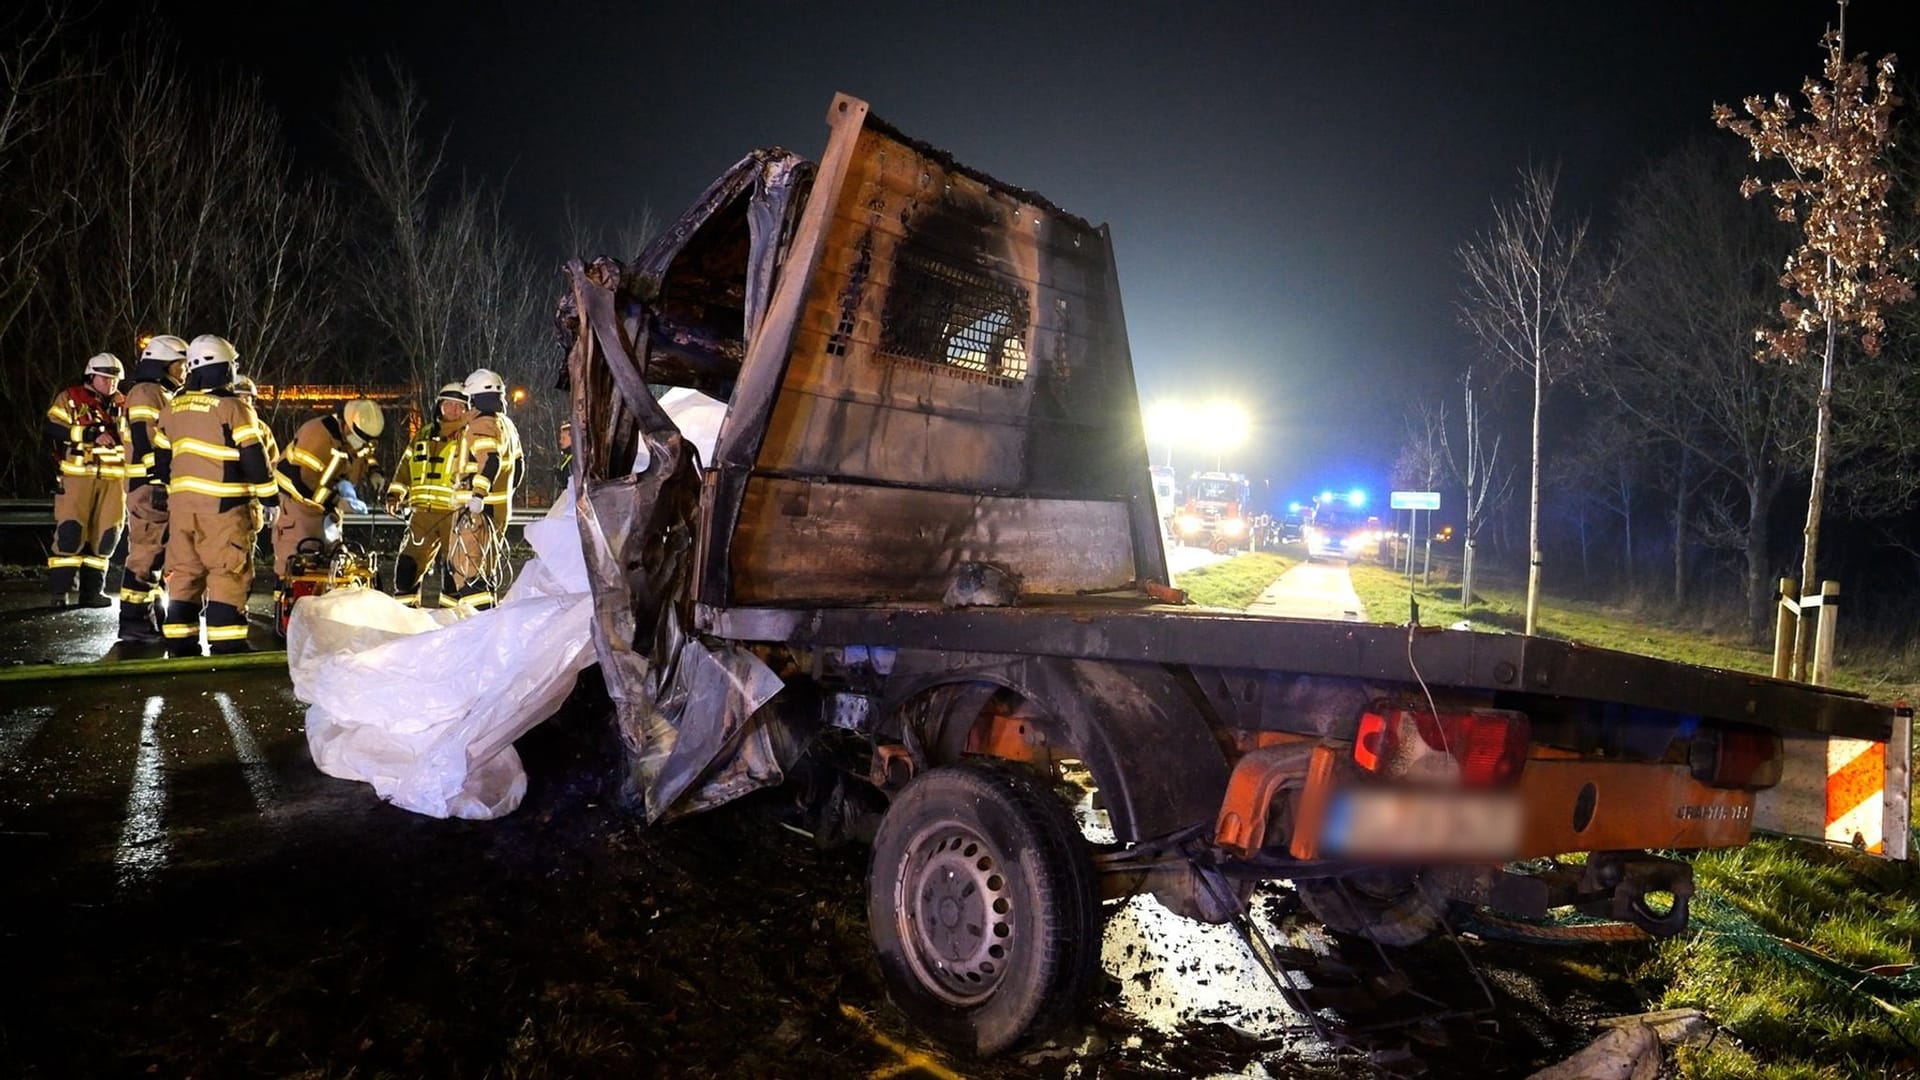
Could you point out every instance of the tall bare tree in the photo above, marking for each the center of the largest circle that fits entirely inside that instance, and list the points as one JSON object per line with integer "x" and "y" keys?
{"x": 178, "y": 209}
{"x": 36, "y": 80}
{"x": 1521, "y": 302}
{"x": 438, "y": 269}
{"x": 1841, "y": 279}
{"x": 1692, "y": 273}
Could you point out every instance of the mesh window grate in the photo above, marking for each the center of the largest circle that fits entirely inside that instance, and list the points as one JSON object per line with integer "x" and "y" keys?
{"x": 956, "y": 320}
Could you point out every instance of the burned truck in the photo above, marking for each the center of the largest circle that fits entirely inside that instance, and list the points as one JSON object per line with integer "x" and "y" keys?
{"x": 924, "y": 545}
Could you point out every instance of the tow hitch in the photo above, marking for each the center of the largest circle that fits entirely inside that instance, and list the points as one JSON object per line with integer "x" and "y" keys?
{"x": 1616, "y": 885}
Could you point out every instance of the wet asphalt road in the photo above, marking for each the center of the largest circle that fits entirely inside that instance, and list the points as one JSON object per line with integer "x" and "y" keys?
{"x": 185, "y": 894}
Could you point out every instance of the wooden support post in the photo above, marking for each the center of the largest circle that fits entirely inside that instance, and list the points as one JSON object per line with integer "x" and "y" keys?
{"x": 1824, "y": 631}
{"x": 1786, "y": 616}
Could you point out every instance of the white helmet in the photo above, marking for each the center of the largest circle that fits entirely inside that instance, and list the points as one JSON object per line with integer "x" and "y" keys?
{"x": 210, "y": 349}
{"x": 453, "y": 391}
{"x": 483, "y": 381}
{"x": 244, "y": 386}
{"x": 106, "y": 364}
{"x": 363, "y": 419}
{"x": 165, "y": 348}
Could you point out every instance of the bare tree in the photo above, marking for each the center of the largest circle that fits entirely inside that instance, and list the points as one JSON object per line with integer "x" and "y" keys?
{"x": 439, "y": 270}
{"x": 1841, "y": 279}
{"x": 178, "y": 209}
{"x": 1521, "y": 303}
{"x": 1469, "y": 458}
{"x": 34, "y": 79}
{"x": 1692, "y": 274}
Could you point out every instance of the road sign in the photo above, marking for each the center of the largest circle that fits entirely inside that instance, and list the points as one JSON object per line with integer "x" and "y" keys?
{"x": 1415, "y": 500}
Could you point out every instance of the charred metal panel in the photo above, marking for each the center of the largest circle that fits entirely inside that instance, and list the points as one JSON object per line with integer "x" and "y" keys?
{"x": 957, "y": 334}
{"x": 818, "y": 541}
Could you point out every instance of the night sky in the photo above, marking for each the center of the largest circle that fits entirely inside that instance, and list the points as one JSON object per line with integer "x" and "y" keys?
{"x": 1286, "y": 182}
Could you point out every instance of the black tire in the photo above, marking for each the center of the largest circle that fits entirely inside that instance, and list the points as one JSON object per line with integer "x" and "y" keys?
{"x": 1396, "y": 908}
{"x": 982, "y": 904}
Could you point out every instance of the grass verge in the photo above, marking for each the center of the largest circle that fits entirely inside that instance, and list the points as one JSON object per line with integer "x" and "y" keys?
{"x": 1234, "y": 583}
{"x": 1782, "y": 929}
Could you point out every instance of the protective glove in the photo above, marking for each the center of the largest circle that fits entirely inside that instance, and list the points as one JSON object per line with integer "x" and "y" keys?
{"x": 354, "y": 505}
{"x": 347, "y": 492}
{"x": 476, "y": 506}
{"x": 160, "y": 497}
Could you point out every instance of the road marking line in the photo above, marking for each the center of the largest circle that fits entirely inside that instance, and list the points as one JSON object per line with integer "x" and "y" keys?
{"x": 143, "y": 838}
{"x": 16, "y": 736}
{"x": 253, "y": 764}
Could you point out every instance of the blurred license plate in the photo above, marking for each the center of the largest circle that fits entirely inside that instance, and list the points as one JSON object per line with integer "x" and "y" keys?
{"x": 1421, "y": 824}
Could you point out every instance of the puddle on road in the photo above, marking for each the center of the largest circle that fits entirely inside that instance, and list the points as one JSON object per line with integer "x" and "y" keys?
{"x": 142, "y": 851}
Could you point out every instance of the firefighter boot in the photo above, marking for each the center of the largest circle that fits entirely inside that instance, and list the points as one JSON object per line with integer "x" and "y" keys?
{"x": 226, "y": 629}
{"x": 140, "y": 623}
{"x": 93, "y": 582}
{"x": 182, "y": 627}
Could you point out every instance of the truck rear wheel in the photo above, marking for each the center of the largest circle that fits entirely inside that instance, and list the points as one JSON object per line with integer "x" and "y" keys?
{"x": 1393, "y": 907}
{"x": 982, "y": 904}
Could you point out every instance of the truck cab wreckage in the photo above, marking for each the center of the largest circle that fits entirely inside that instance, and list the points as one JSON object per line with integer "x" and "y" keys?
{"x": 927, "y": 535}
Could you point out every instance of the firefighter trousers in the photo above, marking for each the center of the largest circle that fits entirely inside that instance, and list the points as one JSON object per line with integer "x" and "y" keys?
{"x": 146, "y": 547}
{"x": 87, "y": 515}
{"x": 210, "y": 567}
{"x": 474, "y": 554}
{"x": 429, "y": 537}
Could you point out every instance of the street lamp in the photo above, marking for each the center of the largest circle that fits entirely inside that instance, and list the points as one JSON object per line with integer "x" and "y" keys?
{"x": 1168, "y": 422}
{"x": 1225, "y": 427}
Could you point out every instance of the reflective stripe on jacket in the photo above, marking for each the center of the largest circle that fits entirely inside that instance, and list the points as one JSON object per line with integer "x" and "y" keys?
{"x": 144, "y": 400}
{"x": 317, "y": 460}
{"x": 210, "y": 443}
{"x": 425, "y": 475}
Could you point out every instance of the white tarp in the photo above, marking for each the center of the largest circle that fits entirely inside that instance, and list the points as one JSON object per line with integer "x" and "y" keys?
{"x": 425, "y": 705}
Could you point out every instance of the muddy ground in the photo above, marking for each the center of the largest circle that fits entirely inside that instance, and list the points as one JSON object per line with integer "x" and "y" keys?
{"x": 183, "y": 894}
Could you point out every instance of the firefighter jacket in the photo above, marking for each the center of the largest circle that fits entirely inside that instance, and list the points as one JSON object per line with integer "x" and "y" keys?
{"x": 144, "y": 400}
{"x": 425, "y": 474}
{"x": 317, "y": 459}
{"x": 211, "y": 448}
{"x": 75, "y": 421}
{"x": 489, "y": 457}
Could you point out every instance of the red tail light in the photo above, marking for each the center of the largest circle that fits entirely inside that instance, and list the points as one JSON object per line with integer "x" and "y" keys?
{"x": 1736, "y": 757}
{"x": 1473, "y": 748}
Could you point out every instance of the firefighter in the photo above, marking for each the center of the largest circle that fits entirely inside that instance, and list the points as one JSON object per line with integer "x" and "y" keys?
{"x": 211, "y": 454}
{"x": 422, "y": 488}
{"x": 563, "y": 469}
{"x": 83, "y": 428}
{"x": 319, "y": 474}
{"x": 486, "y": 467}
{"x": 155, "y": 380}
{"x": 247, "y": 390}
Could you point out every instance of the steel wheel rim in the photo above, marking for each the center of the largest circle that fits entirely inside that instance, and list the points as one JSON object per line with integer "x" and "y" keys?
{"x": 955, "y": 913}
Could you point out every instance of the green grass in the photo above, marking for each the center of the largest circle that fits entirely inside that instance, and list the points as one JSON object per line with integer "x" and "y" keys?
{"x": 1790, "y": 1017}
{"x": 1236, "y": 582}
